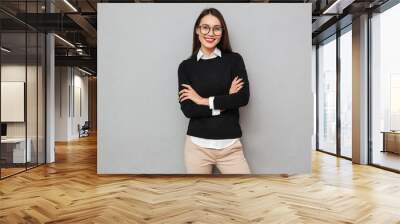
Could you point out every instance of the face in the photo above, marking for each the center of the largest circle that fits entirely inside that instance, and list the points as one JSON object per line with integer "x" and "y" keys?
{"x": 211, "y": 39}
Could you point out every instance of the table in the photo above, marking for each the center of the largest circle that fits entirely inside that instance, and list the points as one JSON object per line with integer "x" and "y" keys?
{"x": 17, "y": 150}
{"x": 391, "y": 141}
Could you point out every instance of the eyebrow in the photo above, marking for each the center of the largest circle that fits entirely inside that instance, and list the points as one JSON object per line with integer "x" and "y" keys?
{"x": 209, "y": 24}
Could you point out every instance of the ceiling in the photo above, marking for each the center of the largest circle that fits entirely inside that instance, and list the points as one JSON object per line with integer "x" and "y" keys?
{"x": 76, "y": 21}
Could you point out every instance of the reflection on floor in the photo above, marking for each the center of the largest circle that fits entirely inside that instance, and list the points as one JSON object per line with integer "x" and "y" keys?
{"x": 70, "y": 191}
{"x": 347, "y": 152}
{"x": 11, "y": 169}
{"x": 386, "y": 159}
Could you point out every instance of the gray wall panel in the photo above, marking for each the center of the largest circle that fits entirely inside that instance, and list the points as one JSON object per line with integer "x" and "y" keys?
{"x": 141, "y": 128}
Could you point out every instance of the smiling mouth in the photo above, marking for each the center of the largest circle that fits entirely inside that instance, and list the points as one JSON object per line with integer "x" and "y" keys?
{"x": 209, "y": 40}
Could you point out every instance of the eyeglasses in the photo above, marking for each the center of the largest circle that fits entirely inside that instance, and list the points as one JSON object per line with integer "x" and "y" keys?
{"x": 205, "y": 29}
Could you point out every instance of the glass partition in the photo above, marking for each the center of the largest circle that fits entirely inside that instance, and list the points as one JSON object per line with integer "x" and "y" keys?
{"x": 14, "y": 153}
{"x": 22, "y": 101}
{"x": 41, "y": 87}
{"x": 385, "y": 89}
{"x": 327, "y": 95}
{"x": 346, "y": 93}
{"x": 32, "y": 95}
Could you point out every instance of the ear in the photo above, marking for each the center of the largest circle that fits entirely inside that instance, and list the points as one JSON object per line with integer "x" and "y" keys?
{"x": 197, "y": 31}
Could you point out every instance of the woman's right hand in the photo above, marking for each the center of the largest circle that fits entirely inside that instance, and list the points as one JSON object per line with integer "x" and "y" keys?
{"x": 236, "y": 85}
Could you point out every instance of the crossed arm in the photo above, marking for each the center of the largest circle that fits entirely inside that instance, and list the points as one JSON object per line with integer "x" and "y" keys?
{"x": 240, "y": 98}
{"x": 193, "y": 105}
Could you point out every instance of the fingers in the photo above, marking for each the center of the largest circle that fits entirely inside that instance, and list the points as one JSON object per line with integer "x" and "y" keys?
{"x": 183, "y": 91}
{"x": 236, "y": 80}
{"x": 237, "y": 89}
{"x": 187, "y": 86}
{"x": 184, "y": 96}
{"x": 238, "y": 83}
{"x": 189, "y": 90}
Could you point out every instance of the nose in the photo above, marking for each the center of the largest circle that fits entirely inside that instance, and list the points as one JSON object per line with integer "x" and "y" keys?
{"x": 210, "y": 34}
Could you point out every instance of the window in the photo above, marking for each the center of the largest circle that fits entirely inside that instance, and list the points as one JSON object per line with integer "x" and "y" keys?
{"x": 385, "y": 88}
{"x": 346, "y": 93}
{"x": 327, "y": 96}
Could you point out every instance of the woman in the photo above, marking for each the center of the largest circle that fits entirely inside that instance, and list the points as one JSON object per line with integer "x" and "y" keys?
{"x": 213, "y": 84}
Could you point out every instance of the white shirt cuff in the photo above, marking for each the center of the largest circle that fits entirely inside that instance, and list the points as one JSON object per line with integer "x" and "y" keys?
{"x": 211, "y": 105}
{"x": 216, "y": 112}
{"x": 211, "y": 102}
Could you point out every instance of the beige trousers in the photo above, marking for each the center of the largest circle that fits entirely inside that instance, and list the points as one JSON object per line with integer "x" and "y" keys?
{"x": 229, "y": 160}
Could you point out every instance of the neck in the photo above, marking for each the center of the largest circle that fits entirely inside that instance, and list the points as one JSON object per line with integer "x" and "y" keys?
{"x": 207, "y": 51}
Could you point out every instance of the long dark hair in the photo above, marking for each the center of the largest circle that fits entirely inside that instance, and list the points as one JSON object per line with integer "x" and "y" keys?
{"x": 224, "y": 44}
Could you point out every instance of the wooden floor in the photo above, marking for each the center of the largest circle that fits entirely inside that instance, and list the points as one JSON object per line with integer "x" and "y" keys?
{"x": 70, "y": 191}
{"x": 5, "y": 172}
{"x": 387, "y": 159}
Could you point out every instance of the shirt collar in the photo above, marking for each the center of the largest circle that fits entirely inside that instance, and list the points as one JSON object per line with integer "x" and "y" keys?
{"x": 216, "y": 52}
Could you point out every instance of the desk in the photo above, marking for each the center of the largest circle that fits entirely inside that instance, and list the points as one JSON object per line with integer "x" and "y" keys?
{"x": 391, "y": 141}
{"x": 16, "y": 151}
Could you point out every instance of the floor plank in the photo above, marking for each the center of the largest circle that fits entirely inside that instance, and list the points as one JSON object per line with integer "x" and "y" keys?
{"x": 70, "y": 191}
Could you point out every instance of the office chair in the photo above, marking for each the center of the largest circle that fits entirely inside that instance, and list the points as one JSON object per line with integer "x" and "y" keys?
{"x": 84, "y": 130}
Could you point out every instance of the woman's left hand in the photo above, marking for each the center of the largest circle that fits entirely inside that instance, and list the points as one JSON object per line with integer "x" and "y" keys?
{"x": 191, "y": 94}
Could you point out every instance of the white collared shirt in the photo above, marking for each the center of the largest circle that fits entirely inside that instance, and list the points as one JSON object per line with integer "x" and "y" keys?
{"x": 212, "y": 143}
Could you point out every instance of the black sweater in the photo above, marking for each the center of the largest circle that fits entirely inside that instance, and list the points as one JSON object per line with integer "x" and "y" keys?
{"x": 213, "y": 77}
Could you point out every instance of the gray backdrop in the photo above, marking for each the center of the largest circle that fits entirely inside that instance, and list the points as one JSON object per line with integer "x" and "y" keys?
{"x": 141, "y": 129}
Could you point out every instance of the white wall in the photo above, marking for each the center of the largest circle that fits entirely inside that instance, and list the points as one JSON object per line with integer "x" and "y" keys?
{"x": 67, "y": 117}
{"x": 79, "y": 117}
{"x": 62, "y": 80}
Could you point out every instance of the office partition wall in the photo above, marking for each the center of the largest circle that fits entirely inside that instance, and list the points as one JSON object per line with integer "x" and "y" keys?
{"x": 13, "y": 70}
{"x": 22, "y": 64}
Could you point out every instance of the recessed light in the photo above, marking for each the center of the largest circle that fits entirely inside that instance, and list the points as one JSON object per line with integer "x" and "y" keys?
{"x": 84, "y": 71}
{"x": 5, "y": 50}
{"x": 335, "y": 4}
{"x": 64, "y": 40}
{"x": 70, "y": 5}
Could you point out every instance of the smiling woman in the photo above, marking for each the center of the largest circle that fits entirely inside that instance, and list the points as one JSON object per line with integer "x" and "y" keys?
{"x": 213, "y": 84}
{"x": 214, "y": 88}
